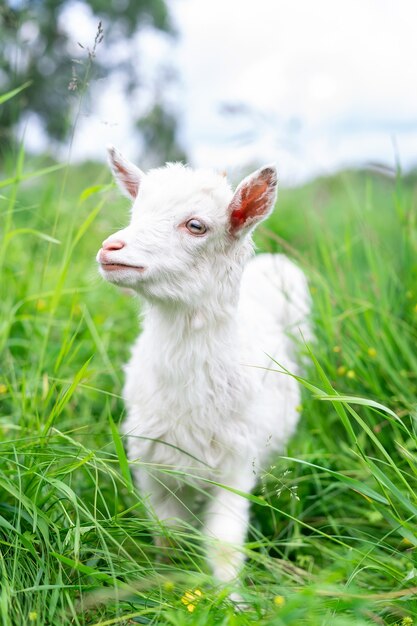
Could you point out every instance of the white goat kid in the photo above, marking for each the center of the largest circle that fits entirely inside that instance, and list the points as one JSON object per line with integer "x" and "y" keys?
{"x": 195, "y": 402}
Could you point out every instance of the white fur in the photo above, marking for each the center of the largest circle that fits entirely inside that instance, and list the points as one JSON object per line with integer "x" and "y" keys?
{"x": 198, "y": 396}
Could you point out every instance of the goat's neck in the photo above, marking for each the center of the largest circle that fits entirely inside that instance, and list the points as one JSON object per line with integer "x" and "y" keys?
{"x": 194, "y": 354}
{"x": 199, "y": 330}
{"x": 189, "y": 323}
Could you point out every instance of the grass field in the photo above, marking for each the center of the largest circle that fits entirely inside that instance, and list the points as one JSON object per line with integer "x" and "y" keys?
{"x": 333, "y": 528}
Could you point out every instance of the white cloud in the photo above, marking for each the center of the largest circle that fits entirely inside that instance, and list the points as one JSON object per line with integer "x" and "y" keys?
{"x": 345, "y": 71}
{"x": 324, "y": 84}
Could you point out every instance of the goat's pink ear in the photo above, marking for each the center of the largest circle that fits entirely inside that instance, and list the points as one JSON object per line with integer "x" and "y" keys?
{"x": 254, "y": 199}
{"x": 127, "y": 175}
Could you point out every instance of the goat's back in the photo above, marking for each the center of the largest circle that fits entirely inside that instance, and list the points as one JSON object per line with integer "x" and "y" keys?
{"x": 274, "y": 307}
{"x": 274, "y": 304}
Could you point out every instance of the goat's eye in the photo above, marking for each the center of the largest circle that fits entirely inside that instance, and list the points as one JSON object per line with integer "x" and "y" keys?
{"x": 195, "y": 227}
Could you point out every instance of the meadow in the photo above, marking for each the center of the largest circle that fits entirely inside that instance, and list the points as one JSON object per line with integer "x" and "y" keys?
{"x": 333, "y": 527}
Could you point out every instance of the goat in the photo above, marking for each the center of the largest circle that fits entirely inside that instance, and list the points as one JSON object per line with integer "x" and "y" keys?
{"x": 195, "y": 402}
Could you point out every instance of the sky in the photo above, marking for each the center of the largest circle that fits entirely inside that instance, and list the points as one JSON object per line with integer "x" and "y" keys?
{"x": 312, "y": 86}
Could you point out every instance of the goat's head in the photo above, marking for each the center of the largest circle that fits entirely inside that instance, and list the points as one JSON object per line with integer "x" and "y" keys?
{"x": 187, "y": 230}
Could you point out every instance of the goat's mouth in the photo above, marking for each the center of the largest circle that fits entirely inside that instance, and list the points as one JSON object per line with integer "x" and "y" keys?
{"x": 111, "y": 267}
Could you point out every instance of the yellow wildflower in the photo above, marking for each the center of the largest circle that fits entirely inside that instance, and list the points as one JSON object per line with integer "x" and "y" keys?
{"x": 372, "y": 352}
{"x": 168, "y": 585}
{"x": 3, "y": 388}
{"x": 190, "y": 599}
{"x": 279, "y": 600}
{"x": 350, "y": 374}
{"x": 341, "y": 370}
{"x": 33, "y": 616}
{"x": 407, "y": 621}
{"x": 406, "y": 542}
{"x": 374, "y": 516}
{"x": 337, "y": 349}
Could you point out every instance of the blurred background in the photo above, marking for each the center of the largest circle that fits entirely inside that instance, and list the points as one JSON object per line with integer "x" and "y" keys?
{"x": 328, "y": 91}
{"x": 314, "y": 86}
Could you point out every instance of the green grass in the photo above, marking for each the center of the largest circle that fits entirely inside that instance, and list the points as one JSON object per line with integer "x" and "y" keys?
{"x": 333, "y": 529}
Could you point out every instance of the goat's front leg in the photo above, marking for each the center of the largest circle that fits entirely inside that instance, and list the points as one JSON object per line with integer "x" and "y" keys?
{"x": 227, "y": 518}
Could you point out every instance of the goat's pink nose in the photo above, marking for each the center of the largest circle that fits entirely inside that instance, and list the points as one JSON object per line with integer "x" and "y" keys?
{"x": 113, "y": 244}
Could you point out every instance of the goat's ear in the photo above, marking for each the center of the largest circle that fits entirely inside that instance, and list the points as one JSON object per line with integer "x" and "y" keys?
{"x": 253, "y": 200}
{"x": 127, "y": 175}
